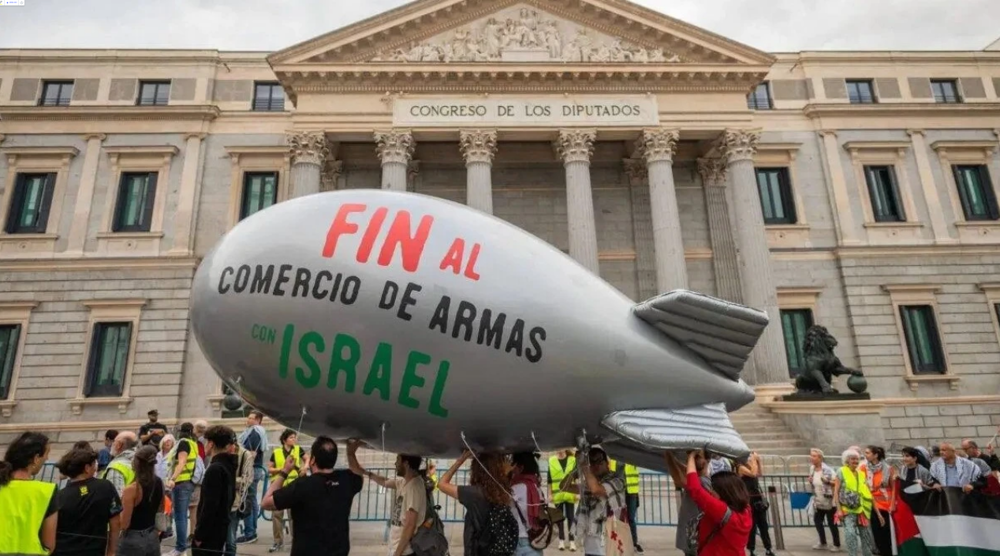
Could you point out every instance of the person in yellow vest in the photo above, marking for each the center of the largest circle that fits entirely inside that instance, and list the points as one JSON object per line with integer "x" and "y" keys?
{"x": 560, "y": 465}
{"x": 853, "y": 501}
{"x": 29, "y": 513}
{"x": 432, "y": 473}
{"x": 180, "y": 483}
{"x": 288, "y": 449}
{"x": 630, "y": 474}
{"x": 119, "y": 471}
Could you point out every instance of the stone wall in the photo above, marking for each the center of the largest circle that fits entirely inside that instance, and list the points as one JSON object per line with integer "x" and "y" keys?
{"x": 928, "y": 425}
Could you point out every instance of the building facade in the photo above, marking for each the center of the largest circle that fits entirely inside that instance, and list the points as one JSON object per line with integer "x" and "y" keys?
{"x": 856, "y": 190}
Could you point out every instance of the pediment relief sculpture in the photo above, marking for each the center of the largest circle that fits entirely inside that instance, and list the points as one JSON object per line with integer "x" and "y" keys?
{"x": 522, "y": 34}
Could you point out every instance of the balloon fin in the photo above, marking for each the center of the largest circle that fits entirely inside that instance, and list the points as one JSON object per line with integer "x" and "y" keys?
{"x": 721, "y": 332}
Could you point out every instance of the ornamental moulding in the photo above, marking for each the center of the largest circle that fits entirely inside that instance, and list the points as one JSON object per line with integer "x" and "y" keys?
{"x": 713, "y": 170}
{"x": 478, "y": 146}
{"x": 308, "y": 147}
{"x": 658, "y": 145}
{"x": 576, "y": 145}
{"x": 394, "y": 146}
{"x": 739, "y": 144}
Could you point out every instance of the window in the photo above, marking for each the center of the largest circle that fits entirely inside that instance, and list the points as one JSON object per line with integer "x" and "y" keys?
{"x": 945, "y": 91}
{"x": 29, "y": 206}
{"x": 136, "y": 197}
{"x": 760, "y": 98}
{"x": 979, "y": 202}
{"x": 108, "y": 359}
{"x": 776, "y": 195}
{"x": 887, "y": 205}
{"x": 922, "y": 341}
{"x": 794, "y": 324}
{"x": 860, "y": 91}
{"x": 56, "y": 93}
{"x": 9, "y": 336}
{"x": 154, "y": 93}
{"x": 260, "y": 190}
{"x": 268, "y": 97}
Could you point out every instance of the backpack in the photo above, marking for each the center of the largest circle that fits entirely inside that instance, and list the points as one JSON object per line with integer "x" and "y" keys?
{"x": 429, "y": 538}
{"x": 199, "y": 470}
{"x": 540, "y": 532}
{"x": 242, "y": 504}
{"x": 499, "y": 534}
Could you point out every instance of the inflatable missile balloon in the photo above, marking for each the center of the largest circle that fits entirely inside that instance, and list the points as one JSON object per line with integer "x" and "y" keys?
{"x": 421, "y": 325}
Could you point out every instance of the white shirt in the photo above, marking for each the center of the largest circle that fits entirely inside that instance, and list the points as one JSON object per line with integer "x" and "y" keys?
{"x": 521, "y": 499}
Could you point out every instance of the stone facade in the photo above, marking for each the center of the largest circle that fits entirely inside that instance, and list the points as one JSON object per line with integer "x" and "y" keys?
{"x": 627, "y": 185}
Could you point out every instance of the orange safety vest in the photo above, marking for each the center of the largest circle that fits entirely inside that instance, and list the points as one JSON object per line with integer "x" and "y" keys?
{"x": 880, "y": 495}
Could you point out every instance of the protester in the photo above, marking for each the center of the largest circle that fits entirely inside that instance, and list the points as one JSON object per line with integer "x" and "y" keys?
{"x": 527, "y": 503}
{"x": 561, "y": 465}
{"x": 320, "y": 504}
{"x": 981, "y": 460}
{"x": 952, "y": 471}
{"x": 881, "y": 481}
{"x": 119, "y": 471}
{"x": 140, "y": 503}
{"x": 288, "y": 450}
{"x": 104, "y": 455}
{"x": 854, "y": 504}
{"x": 180, "y": 483}
{"x": 409, "y": 508}
{"x": 603, "y": 498}
{"x": 241, "y": 503}
{"x": 28, "y": 507}
{"x": 211, "y": 529}
{"x": 200, "y": 427}
{"x": 821, "y": 480}
{"x": 163, "y": 456}
{"x": 254, "y": 440}
{"x": 726, "y": 523}
{"x": 912, "y": 472}
{"x": 688, "y": 509}
{"x": 750, "y": 473}
{"x": 152, "y": 432}
{"x": 630, "y": 474}
{"x": 89, "y": 508}
{"x": 718, "y": 464}
{"x": 486, "y": 500}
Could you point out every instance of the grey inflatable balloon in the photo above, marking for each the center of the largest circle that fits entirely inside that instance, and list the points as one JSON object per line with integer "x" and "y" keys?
{"x": 428, "y": 326}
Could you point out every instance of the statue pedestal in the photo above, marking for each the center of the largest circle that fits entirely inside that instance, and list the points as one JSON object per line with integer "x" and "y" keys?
{"x": 832, "y": 422}
{"x": 807, "y": 397}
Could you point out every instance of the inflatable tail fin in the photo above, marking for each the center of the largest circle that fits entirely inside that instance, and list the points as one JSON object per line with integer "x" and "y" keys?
{"x": 721, "y": 332}
{"x": 644, "y": 435}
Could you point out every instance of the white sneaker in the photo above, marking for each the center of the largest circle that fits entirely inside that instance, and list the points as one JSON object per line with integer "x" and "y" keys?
{"x": 572, "y": 546}
{"x": 562, "y": 545}
{"x": 834, "y": 549}
{"x": 820, "y": 546}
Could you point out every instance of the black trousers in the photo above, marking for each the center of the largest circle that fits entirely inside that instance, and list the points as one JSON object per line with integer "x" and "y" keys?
{"x": 828, "y": 515}
{"x": 882, "y": 534}
{"x": 569, "y": 511}
{"x": 759, "y": 526}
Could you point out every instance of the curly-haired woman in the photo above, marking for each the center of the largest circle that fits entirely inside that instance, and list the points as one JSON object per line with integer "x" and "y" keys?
{"x": 489, "y": 485}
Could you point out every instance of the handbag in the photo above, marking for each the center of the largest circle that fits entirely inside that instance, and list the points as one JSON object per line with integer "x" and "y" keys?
{"x": 851, "y": 499}
{"x": 617, "y": 538}
{"x": 540, "y": 536}
{"x": 161, "y": 520}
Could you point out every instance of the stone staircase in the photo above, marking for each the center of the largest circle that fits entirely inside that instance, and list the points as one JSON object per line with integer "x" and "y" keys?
{"x": 783, "y": 450}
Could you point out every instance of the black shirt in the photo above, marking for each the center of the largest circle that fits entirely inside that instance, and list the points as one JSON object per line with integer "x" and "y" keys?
{"x": 218, "y": 490}
{"x": 159, "y": 431}
{"x": 321, "y": 506}
{"x": 85, "y": 507}
{"x": 477, "y": 509}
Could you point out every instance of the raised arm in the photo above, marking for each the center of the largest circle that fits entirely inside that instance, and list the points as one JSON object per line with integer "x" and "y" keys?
{"x": 352, "y": 457}
{"x": 714, "y": 508}
{"x": 675, "y": 469}
{"x": 445, "y": 485}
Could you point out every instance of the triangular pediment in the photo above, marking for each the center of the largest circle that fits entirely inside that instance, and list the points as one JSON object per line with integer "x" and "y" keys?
{"x": 430, "y": 32}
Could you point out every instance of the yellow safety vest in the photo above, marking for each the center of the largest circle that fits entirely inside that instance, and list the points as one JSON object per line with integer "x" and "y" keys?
{"x": 631, "y": 476}
{"x": 856, "y": 484}
{"x": 189, "y": 465}
{"x": 23, "y": 505}
{"x": 558, "y": 474}
{"x": 279, "y": 462}
{"x": 122, "y": 467}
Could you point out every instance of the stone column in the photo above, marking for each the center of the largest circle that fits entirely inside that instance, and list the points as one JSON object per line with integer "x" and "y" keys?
{"x": 754, "y": 256}
{"x": 478, "y": 148}
{"x": 575, "y": 148}
{"x": 718, "y": 200}
{"x": 642, "y": 226}
{"x": 657, "y": 147}
{"x": 187, "y": 203}
{"x": 309, "y": 153}
{"x": 395, "y": 149}
{"x": 927, "y": 184}
{"x": 85, "y": 195}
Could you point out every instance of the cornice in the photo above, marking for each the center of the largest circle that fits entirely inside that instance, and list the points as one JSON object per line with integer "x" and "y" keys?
{"x": 964, "y": 145}
{"x": 282, "y": 150}
{"x": 97, "y": 263}
{"x": 165, "y": 150}
{"x": 41, "y": 151}
{"x": 197, "y": 112}
{"x": 876, "y": 145}
{"x": 924, "y": 109}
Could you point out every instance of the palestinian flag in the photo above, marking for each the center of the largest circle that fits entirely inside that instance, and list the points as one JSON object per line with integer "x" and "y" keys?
{"x": 947, "y": 523}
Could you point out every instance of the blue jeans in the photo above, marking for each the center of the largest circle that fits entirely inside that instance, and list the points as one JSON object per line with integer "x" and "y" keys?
{"x": 234, "y": 523}
{"x": 632, "y": 506}
{"x": 250, "y": 522}
{"x": 524, "y": 549}
{"x": 182, "y": 494}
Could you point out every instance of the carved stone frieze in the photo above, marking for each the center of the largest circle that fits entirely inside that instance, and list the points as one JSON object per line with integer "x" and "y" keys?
{"x": 657, "y": 145}
{"x": 478, "y": 145}
{"x": 713, "y": 171}
{"x": 739, "y": 144}
{"x": 521, "y": 34}
{"x": 308, "y": 147}
{"x": 394, "y": 146}
{"x": 576, "y": 145}
{"x": 637, "y": 171}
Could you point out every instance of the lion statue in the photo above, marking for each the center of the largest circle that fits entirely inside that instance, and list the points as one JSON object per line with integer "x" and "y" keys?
{"x": 821, "y": 364}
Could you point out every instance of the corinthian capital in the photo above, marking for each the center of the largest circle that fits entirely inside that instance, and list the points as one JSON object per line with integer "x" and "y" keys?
{"x": 394, "y": 145}
{"x": 330, "y": 174}
{"x": 658, "y": 145}
{"x": 308, "y": 147}
{"x": 576, "y": 145}
{"x": 478, "y": 145}
{"x": 739, "y": 144}
{"x": 713, "y": 171}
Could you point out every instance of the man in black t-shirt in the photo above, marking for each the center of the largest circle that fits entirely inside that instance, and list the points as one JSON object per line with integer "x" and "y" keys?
{"x": 88, "y": 508}
{"x": 320, "y": 503}
{"x": 152, "y": 432}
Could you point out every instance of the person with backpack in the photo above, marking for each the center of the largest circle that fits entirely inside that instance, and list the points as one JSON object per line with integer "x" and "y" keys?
{"x": 723, "y": 526}
{"x": 409, "y": 508}
{"x": 602, "y": 499}
{"x": 187, "y": 470}
{"x": 527, "y": 503}
{"x": 242, "y": 505}
{"x": 490, "y": 528}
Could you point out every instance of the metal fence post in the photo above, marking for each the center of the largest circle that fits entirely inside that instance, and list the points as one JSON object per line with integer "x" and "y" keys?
{"x": 779, "y": 537}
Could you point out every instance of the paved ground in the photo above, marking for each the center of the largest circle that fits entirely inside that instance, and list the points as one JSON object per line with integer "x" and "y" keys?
{"x": 367, "y": 539}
